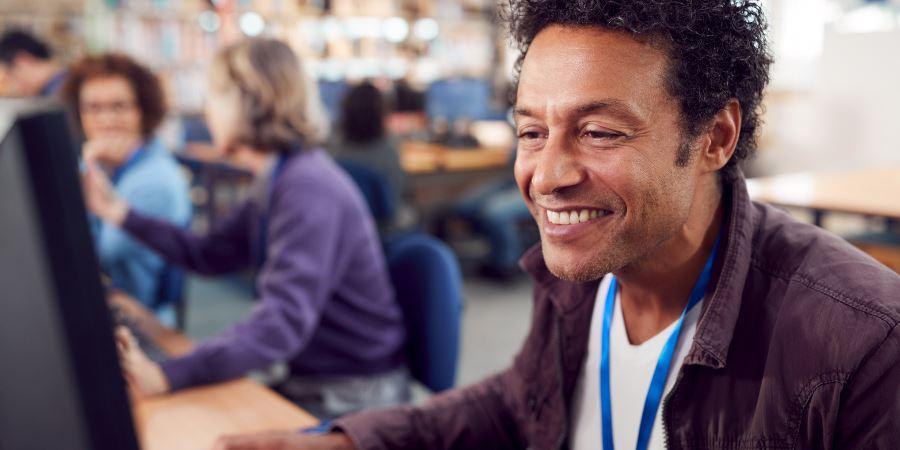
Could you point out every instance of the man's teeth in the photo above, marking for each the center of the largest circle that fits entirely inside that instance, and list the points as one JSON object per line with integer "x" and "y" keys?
{"x": 573, "y": 217}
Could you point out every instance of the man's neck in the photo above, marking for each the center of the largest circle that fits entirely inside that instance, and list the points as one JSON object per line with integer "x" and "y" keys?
{"x": 655, "y": 290}
{"x": 45, "y": 72}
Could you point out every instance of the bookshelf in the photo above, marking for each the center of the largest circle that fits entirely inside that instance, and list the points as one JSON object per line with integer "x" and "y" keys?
{"x": 419, "y": 40}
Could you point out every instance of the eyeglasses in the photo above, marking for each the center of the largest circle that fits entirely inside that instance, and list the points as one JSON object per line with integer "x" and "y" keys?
{"x": 118, "y": 107}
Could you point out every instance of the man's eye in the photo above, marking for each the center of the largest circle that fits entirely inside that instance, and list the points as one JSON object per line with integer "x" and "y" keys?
{"x": 530, "y": 135}
{"x": 593, "y": 134}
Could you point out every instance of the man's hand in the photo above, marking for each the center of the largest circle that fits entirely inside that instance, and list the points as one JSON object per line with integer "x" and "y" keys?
{"x": 285, "y": 440}
{"x": 142, "y": 374}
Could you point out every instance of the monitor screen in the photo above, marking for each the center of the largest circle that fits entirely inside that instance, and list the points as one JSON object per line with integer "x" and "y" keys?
{"x": 60, "y": 386}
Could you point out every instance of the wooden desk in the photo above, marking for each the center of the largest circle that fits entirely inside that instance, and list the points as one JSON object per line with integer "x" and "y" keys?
{"x": 418, "y": 157}
{"x": 194, "y": 418}
{"x": 872, "y": 192}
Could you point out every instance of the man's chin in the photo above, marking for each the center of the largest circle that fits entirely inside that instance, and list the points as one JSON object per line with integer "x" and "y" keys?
{"x": 573, "y": 268}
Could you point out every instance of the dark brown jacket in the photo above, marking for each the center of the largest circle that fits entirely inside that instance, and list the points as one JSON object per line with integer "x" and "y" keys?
{"x": 797, "y": 347}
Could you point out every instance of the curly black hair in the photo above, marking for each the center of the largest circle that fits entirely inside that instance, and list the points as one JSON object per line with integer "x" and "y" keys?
{"x": 717, "y": 51}
{"x": 15, "y": 41}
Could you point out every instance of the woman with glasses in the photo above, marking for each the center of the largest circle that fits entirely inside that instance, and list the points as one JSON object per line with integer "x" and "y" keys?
{"x": 119, "y": 104}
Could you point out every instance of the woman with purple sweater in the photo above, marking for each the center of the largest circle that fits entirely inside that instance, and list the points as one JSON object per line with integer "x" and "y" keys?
{"x": 326, "y": 305}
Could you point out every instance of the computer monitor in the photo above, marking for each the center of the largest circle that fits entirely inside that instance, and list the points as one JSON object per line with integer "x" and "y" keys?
{"x": 60, "y": 382}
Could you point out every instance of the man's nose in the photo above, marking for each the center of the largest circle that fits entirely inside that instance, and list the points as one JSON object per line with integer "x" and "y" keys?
{"x": 557, "y": 168}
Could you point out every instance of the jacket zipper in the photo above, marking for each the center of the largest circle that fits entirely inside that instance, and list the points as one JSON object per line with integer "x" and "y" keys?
{"x": 667, "y": 431}
{"x": 560, "y": 374}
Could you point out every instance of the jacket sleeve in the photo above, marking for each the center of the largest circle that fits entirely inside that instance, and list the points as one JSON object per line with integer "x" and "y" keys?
{"x": 491, "y": 414}
{"x": 226, "y": 248}
{"x": 869, "y": 416}
{"x": 479, "y": 416}
{"x": 295, "y": 285}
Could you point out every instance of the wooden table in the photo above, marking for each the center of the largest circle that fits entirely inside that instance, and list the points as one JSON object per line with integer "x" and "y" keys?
{"x": 872, "y": 192}
{"x": 419, "y": 157}
{"x": 416, "y": 157}
{"x": 194, "y": 418}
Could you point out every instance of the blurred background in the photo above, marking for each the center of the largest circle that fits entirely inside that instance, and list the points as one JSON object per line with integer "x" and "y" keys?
{"x": 444, "y": 68}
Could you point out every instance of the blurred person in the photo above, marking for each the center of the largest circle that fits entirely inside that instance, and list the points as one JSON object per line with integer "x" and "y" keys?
{"x": 407, "y": 119}
{"x": 407, "y": 99}
{"x": 361, "y": 137}
{"x": 670, "y": 310}
{"x": 498, "y": 211}
{"x": 119, "y": 104}
{"x": 461, "y": 134}
{"x": 326, "y": 305}
{"x": 29, "y": 65}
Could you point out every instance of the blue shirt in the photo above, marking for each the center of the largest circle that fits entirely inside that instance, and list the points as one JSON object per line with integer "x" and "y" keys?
{"x": 151, "y": 183}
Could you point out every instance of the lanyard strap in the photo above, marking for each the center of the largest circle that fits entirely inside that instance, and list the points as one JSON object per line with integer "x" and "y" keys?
{"x": 129, "y": 163}
{"x": 264, "y": 218}
{"x": 660, "y": 374}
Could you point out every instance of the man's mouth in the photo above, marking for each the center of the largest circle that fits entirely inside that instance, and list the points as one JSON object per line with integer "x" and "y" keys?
{"x": 575, "y": 216}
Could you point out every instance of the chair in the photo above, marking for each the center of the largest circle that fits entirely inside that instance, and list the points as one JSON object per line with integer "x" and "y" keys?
{"x": 428, "y": 287}
{"x": 171, "y": 292}
{"x": 375, "y": 188}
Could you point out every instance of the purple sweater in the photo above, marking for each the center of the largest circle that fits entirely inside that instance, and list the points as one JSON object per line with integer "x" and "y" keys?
{"x": 326, "y": 304}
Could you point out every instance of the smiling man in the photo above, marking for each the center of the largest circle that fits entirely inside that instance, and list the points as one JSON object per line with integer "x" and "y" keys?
{"x": 670, "y": 310}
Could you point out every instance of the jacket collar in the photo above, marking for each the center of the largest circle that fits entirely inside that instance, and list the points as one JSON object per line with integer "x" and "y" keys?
{"x": 565, "y": 295}
{"x": 721, "y": 309}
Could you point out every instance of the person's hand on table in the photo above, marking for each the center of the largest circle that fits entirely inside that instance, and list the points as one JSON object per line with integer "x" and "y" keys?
{"x": 285, "y": 440}
{"x": 99, "y": 195}
{"x": 143, "y": 375}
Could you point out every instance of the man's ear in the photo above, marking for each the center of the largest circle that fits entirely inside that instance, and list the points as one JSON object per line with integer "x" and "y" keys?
{"x": 722, "y": 135}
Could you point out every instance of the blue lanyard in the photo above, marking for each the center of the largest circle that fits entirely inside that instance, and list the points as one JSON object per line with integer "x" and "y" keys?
{"x": 132, "y": 161}
{"x": 264, "y": 218}
{"x": 660, "y": 374}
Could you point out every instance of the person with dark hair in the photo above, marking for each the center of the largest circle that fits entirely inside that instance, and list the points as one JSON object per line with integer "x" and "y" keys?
{"x": 407, "y": 99}
{"x": 670, "y": 310}
{"x": 29, "y": 65}
{"x": 118, "y": 105}
{"x": 361, "y": 137}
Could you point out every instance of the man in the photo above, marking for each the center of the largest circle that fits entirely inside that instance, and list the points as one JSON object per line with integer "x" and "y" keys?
{"x": 29, "y": 65}
{"x": 670, "y": 310}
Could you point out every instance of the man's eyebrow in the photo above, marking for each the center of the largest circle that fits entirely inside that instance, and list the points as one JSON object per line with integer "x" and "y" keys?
{"x": 612, "y": 107}
{"x": 519, "y": 111}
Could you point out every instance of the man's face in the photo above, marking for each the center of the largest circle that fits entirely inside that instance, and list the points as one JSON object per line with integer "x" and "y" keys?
{"x": 598, "y": 137}
{"x": 22, "y": 75}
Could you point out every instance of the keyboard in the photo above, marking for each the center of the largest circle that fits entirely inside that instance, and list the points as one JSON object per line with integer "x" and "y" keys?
{"x": 153, "y": 351}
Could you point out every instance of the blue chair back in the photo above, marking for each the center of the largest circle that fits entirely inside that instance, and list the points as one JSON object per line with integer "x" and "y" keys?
{"x": 375, "y": 188}
{"x": 170, "y": 291}
{"x": 428, "y": 286}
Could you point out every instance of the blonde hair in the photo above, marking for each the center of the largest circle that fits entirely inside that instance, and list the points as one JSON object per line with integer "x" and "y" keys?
{"x": 278, "y": 104}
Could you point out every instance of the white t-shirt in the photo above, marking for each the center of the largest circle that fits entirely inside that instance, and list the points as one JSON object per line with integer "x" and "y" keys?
{"x": 631, "y": 369}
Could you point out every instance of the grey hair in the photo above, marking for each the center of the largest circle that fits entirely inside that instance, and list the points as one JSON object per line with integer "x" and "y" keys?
{"x": 278, "y": 102}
